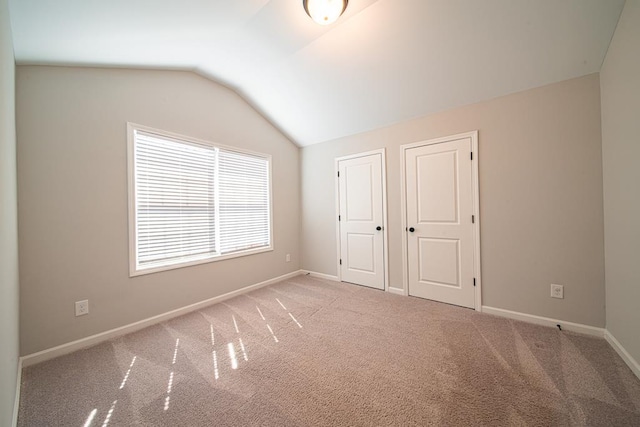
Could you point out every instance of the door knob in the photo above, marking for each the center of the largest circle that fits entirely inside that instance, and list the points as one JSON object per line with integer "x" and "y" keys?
{"x": 412, "y": 229}
{"x": 378, "y": 228}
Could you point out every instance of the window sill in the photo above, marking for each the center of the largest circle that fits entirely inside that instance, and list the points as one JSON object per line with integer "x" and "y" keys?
{"x": 134, "y": 271}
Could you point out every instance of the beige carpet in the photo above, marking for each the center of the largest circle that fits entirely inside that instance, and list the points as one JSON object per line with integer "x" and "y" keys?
{"x": 313, "y": 352}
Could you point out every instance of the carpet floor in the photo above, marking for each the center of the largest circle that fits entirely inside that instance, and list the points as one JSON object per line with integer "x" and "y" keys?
{"x": 308, "y": 351}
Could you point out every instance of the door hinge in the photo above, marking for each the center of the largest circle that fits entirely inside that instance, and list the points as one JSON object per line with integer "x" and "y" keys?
{"x": 472, "y": 155}
{"x": 338, "y": 174}
{"x": 473, "y": 219}
{"x": 340, "y": 262}
{"x": 474, "y": 281}
{"x": 339, "y": 218}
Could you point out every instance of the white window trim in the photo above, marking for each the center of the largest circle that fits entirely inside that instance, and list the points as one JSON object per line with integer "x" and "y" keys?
{"x": 133, "y": 270}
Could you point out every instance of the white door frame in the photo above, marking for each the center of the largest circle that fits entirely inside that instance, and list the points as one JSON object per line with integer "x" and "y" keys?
{"x": 475, "y": 203}
{"x": 385, "y": 235}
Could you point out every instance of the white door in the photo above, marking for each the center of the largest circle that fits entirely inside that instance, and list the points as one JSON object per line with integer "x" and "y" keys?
{"x": 440, "y": 229}
{"x": 360, "y": 188}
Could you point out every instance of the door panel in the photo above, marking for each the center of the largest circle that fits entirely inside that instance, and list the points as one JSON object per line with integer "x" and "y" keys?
{"x": 439, "y": 261}
{"x": 359, "y": 188}
{"x": 361, "y": 252}
{"x": 361, "y": 212}
{"x": 439, "y": 201}
{"x": 437, "y": 187}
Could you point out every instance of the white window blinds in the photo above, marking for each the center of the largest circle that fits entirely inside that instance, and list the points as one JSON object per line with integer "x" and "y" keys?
{"x": 194, "y": 202}
{"x": 243, "y": 201}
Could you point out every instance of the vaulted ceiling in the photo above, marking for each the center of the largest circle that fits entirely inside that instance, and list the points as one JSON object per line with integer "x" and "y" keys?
{"x": 383, "y": 62}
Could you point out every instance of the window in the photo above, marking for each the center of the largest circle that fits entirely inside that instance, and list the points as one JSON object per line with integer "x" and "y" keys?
{"x": 192, "y": 202}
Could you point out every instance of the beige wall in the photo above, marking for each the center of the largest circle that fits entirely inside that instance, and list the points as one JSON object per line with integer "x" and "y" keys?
{"x": 8, "y": 224}
{"x": 540, "y": 197}
{"x": 72, "y": 193}
{"x": 620, "y": 83}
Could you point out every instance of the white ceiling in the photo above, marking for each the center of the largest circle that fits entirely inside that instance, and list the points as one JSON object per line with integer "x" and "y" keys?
{"x": 383, "y": 62}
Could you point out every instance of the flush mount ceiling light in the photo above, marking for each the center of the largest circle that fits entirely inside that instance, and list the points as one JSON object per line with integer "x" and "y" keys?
{"x": 324, "y": 12}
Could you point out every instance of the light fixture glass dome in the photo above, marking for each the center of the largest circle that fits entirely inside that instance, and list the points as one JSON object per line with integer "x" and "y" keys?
{"x": 325, "y": 12}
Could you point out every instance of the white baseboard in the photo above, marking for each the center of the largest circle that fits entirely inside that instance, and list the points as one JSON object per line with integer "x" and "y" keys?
{"x": 60, "y": 350}
{"x": 546, "y": 321}
{"x": 320, "y": 275}
{"x": 16, "y": 402}
{"x": 391, "y": 289}
{"x": 623, "y": 353}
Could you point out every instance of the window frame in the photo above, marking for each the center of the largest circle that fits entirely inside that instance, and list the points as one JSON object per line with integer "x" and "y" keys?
{"x": 134, "y": 269}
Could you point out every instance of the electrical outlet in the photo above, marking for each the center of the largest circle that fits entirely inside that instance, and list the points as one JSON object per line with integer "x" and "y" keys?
{"x": 82, "y": 307}
{"x": 557, "y": 291}
{"x": 288, "y": 258}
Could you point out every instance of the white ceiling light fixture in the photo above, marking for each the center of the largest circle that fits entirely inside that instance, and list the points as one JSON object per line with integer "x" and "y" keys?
{"x": 325, "y": 12}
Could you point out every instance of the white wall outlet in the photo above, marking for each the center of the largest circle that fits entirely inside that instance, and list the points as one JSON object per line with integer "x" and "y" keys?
{"x": 557, "y": 291}
{"x": 82, "y": 307}
{"x": 288, "y": 258}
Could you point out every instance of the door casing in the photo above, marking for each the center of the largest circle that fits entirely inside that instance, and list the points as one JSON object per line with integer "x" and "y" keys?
{"x": 473, "y": 135}
{"x": 385, "y": 244}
